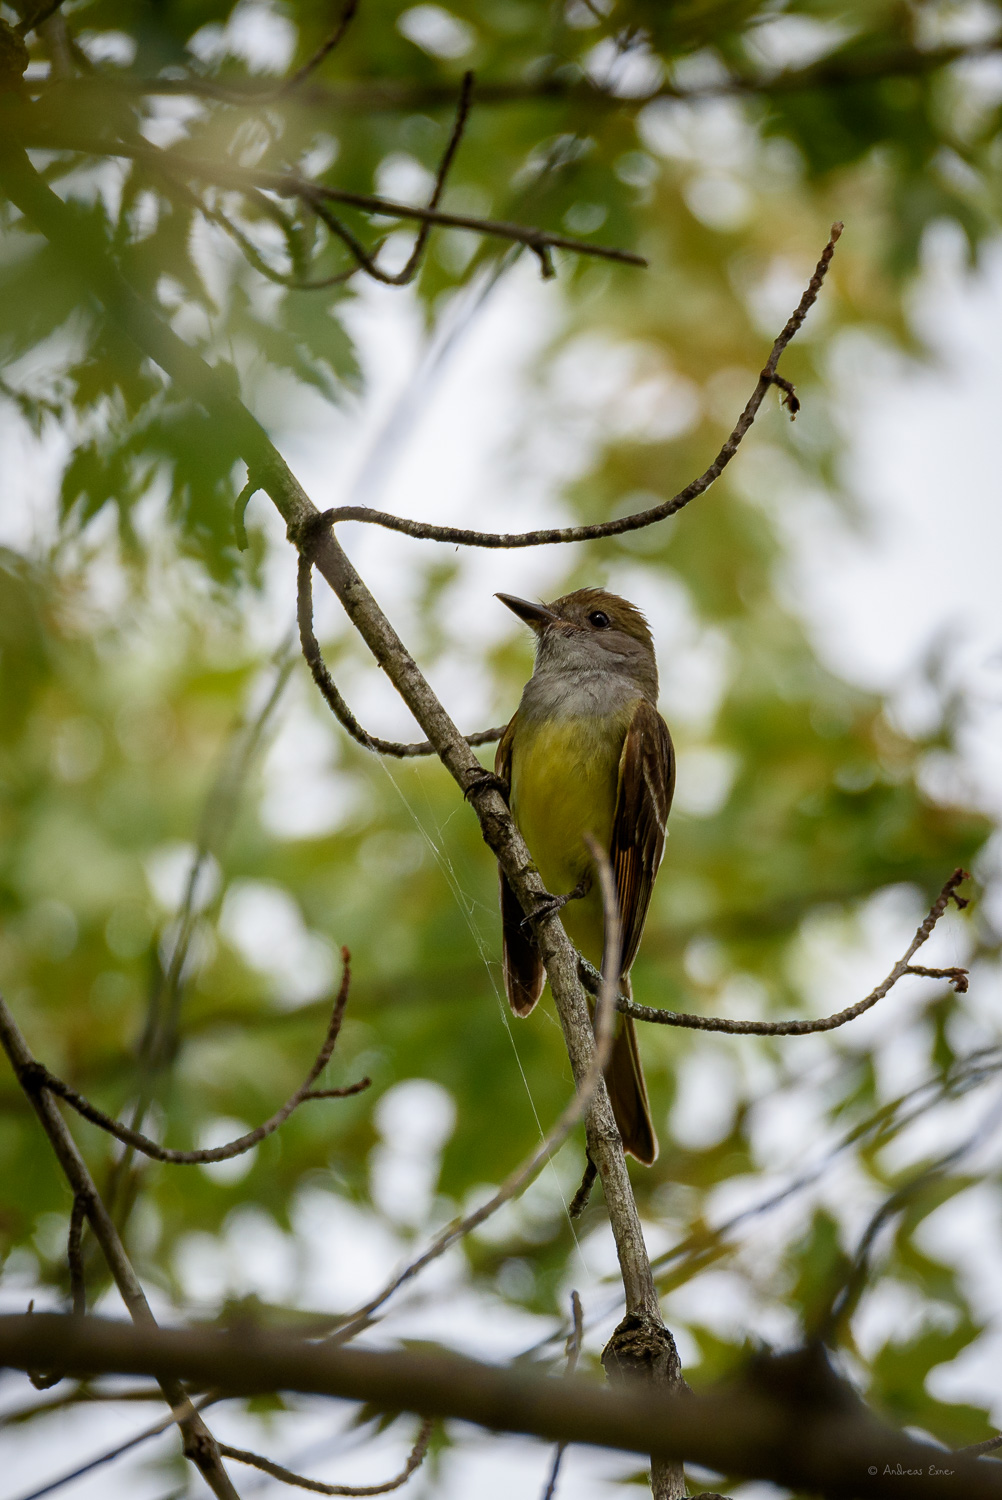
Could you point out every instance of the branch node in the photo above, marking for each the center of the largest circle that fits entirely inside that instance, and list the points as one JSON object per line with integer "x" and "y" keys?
{"x": 34, "y": 1076}
{"x": 788, "y": 396}
{"x": 305, "y": 533}
{"x": 641, "y": 1349}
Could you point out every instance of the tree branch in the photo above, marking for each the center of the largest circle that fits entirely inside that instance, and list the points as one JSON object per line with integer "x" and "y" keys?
{"x": 572, "y": 1350}
{"x": 788, "y": 1419}
{"x": 35, "y": 133}
{"x": 957, "y": 977}
{"x": 425, "y": 531}
{"x": 675, "y": 1266}
{"x": 333, "y": 698}
{"x": 35, "y": 1076}
{"x": 324, "y": 50}
{"x": 83, "y": 250}
{"x": 199, "y": 1444}
{"x": 287, "y": 1476}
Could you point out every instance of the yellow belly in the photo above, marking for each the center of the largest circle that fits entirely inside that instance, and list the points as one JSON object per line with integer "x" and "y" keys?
{"x": 564, "y": 784}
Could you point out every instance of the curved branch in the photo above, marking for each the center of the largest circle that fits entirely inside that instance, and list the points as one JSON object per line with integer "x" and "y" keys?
{"x": 328, "y": 687}
{"x": 957, "y": 977}
{"x": 425, "y": 531}
{"x": 459, "y": 125}
{"x": 287, "y": 1476}
{"x": 35, "y": 1077}
{"x": 199, "y": 1444}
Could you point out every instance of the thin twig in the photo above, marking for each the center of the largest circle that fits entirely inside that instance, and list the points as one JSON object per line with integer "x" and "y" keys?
{"x": 523, "y": 1174}
{"x": 988, "y": 1446}
{"x": 957, "y": 977}
{"x": 244, "y": 498}
{"x": 889, "y": 1120}
{"x": 329, "y": 689}
{"x": 573, "y": 1350}
{"x": 853, "y": 1283}
{"x": 112, "y": 1453}
{"x": 38, "y": 1077}
{"x": 324, "y": 50}
{"x": 78, "y": 1397}
{"x": 460, "y": 536}
{"x": 199, "y": 1444}
{"x": 448, "y": 156}
{"x": 287, "y": 1476}
{"x": 364, "y": 260}
{"x": 288, "y": 185}
{"x": 292, "y": 185}
{"x": 579, "y": 1202}
{"x": 292, "y": 280}
{"x": 159, "y": 1038}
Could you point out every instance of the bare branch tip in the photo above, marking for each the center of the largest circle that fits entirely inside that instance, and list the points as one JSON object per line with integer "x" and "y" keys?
{"x": 579, "y": 1202}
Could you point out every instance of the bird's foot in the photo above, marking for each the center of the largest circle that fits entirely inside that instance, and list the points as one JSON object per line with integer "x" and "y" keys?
{"x": 483, "y": 782}
{"x": 549, "y": 905}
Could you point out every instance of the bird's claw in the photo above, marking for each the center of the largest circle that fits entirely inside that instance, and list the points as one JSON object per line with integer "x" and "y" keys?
{"x": 548, "y": 905}
{"x": 486, "y": 781}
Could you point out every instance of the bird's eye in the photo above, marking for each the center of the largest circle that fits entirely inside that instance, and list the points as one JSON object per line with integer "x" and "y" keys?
{"x": 599, "y": 620}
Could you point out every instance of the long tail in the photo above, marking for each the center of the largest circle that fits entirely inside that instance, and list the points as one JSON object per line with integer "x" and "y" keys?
{"x": 624, "y": 1079}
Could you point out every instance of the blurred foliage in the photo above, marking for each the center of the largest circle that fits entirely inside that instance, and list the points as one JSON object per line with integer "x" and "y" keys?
{"x": 720, "y": 139}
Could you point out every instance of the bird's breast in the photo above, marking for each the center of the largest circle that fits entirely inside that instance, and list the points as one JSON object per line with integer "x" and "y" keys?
{"x": 564, "y": 784}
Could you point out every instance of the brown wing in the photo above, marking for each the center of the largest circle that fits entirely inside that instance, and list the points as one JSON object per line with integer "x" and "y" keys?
{"x": 646, "y": 786}
{"x": 524, "y": 975}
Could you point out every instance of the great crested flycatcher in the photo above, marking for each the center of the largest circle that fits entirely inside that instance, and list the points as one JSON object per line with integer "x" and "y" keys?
{"x": 588, "y": 753}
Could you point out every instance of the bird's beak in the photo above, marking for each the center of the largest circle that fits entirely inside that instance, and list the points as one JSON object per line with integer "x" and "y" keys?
{"x": 536, "y": 616}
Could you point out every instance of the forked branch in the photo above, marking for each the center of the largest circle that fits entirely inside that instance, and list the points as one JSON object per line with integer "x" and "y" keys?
{"x": 199, "y": 1444}
{"x": 332, "y": 696}
{"x": 460, "y": 536}
{"x": 35, "y": 1076}
{"x": 415, "y": 1459}
{"x": 955, "y": 976}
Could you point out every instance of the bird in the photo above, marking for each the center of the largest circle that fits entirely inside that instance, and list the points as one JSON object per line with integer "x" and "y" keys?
{"x": 587, "y": 753}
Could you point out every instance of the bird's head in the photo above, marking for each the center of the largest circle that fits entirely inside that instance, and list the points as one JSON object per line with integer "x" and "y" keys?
{"x": 589, "y": 630}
